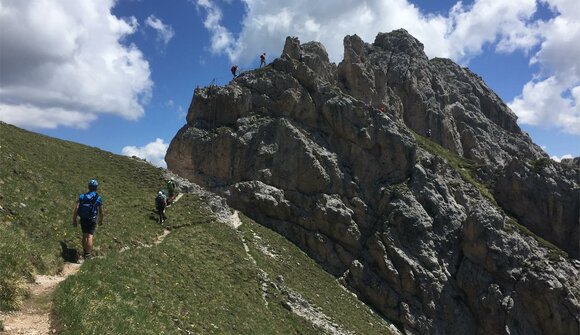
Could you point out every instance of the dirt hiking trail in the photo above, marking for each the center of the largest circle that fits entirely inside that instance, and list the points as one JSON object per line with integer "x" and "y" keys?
{"x": 34, "y": 317}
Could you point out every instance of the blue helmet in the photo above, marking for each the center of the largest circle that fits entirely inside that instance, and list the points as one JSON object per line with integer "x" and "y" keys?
{"x": 93, "y": 183}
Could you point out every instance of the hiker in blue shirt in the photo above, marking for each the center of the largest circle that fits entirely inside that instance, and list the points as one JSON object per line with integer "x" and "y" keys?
{"x": 88, "y": 207}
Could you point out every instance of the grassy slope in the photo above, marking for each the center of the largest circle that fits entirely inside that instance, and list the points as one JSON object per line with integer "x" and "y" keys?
{"x": 40, "y": 179}
{"x": 199, "y": 279}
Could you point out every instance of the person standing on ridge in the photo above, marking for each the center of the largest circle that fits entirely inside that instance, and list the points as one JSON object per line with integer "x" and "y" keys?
{"x": 88, "y": 207}
{"x": 160, "y": 205}
{"x": 263, "y": 59}
{"x": 170, "y": 190}
{"x": 234, "y": 69}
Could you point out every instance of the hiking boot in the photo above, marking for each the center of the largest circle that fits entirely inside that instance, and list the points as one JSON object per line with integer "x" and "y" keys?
{"x": 87, "y": 256}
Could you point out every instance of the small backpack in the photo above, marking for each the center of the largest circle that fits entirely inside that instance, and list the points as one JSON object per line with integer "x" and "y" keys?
{"x": 88, "y": 205}
{"x": 160, "y": 201}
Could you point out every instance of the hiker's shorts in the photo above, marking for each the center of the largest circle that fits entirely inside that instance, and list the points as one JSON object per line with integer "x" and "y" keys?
{"x": 160, "y": 209}
{"x": 89, "y": 225}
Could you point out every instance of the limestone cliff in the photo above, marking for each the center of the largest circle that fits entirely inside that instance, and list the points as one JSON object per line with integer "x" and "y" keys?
{"x": 333, "y": 158}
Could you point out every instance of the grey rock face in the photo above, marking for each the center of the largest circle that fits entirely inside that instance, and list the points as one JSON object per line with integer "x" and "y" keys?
{"x": 571, "y": 161}
{"x": 465, "y": 115}
{"x": 303, "y": 147}
{"x": 546, "y": 196}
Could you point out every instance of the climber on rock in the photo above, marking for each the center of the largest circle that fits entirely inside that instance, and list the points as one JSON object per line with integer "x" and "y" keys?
{"x": 263, "y": 59}
{"x": 234, "y": 69}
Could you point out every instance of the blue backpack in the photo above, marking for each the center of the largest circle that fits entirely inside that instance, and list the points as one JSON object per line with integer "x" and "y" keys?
{"x": 88, "y": 207}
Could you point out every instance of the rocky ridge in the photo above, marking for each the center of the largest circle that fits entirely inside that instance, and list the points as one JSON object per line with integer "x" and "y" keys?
{"x": 330, "y": 157}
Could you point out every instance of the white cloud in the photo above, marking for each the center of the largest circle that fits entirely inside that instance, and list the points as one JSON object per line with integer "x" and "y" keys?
{"x": 460, "y": 35}
{"x": 44, "y": 118}
{"x": 66, "y": 59}
{"x": 559, "y": 159}
{"x": 550, "y": 99}
{"x": 153, "y": 152}
{"x": 164, "y": 32}
{"x": 489, "y": 21}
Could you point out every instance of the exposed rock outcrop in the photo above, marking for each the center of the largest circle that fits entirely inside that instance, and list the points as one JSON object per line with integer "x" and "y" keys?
{"x": 465, "y": 115}
{"x": 325, "y": 155}
{"x": 545, "y": 195}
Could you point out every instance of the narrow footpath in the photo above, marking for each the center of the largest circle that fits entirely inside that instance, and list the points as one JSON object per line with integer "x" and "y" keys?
{"x": 34, "y": 317}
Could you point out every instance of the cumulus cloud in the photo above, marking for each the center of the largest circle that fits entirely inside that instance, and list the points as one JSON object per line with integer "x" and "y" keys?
{"x": 559, "y": 159}
{"x": 37, "y": 118}
{"x": 550, "y": 98}
{"x": 153, "y": 152}
{"x": 459, "y": 35}
{"x": 64, "y": 63}
{"x": 489, "y": 21}
{"x": 553, "y": 97}
{"x": 164, "y": 32}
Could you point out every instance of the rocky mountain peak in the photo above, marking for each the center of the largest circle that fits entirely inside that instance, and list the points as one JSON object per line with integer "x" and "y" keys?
{"x": 400, "y": 41}
{"x": 428, "y": 229}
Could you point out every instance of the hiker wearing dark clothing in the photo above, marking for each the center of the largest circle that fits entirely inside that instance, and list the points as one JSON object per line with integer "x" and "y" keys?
{"x": 89, "y": 207}
{"x": 428, "y": 133}
{"x": 170, "y": 191}
{"x": 160, "y": 205}
{"x": 263, "y": 59}
{"x": 234, "y": 69}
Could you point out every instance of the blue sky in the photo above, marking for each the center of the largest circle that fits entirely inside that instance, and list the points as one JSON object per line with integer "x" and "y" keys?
{"x": 119, "y": 75}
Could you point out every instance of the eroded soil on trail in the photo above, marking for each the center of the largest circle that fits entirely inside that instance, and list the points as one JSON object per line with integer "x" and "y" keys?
{"x": 34, "y": 317}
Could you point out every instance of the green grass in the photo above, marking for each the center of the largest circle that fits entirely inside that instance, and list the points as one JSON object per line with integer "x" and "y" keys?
{"x": 302, "y": 274}
{"x": 463, "y": 166}
{"x": 40, "y": 179}
{"x": 199, "y": 280}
